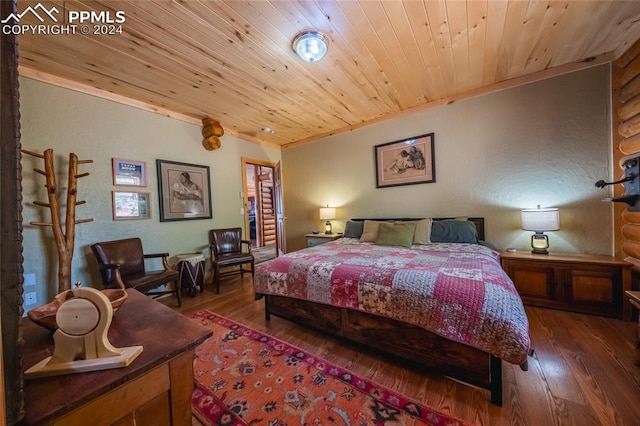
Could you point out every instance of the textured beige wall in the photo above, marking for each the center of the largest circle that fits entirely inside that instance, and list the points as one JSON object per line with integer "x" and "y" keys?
{"x": 97, "y": 129}
{"x": 543, "y": 143}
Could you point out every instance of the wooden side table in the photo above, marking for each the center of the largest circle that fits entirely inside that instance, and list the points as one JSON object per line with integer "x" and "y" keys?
{"x": 585, "y": 283}
{"x": 155, "y": 389}
{"x": 316, "y": 239}
{"x": 634, "y": 300}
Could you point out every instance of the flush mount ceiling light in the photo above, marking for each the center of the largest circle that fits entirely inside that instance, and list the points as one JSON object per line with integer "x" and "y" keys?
{"x": 310, "y": 45}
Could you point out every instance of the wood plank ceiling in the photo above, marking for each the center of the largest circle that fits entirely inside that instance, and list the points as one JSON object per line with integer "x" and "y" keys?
{"x": 232, "y": 60}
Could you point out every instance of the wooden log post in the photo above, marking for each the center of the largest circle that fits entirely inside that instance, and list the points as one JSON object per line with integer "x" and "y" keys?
{"x": 64, "y": 238}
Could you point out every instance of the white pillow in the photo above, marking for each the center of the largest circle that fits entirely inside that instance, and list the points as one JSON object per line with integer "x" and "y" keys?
{"x": 423, "y": 231}
{"x": 370, "y": 230}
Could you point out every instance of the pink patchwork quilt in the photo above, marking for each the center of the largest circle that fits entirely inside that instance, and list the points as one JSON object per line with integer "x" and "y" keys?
{"x": 458, "y": 291}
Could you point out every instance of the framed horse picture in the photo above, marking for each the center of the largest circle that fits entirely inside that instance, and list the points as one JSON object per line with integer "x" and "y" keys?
{"x": 405, "y": 162}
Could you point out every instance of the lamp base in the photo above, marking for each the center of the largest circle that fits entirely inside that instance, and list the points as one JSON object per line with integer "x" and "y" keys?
{"x": 327, "y": 227}
{"x": 539, "y": 243}
{"x": 540, "y": 251}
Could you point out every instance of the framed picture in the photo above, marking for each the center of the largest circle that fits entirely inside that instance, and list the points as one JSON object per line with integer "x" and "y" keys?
{"x": 184, "y": 191}
{"x": 405, "y": 162}
{"x": 129, "y": 172}
{"x": 131, "y": 205}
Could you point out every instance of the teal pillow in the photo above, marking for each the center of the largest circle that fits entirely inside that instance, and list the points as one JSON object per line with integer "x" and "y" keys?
{"x": 353, "y": 229}
{"x": 454, "y": 231}
{"x": 396, "y": 234}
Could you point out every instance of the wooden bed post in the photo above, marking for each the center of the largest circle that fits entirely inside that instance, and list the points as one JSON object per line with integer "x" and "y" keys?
{"x": 496, "y": 381}
{"x": 267, "y": 314}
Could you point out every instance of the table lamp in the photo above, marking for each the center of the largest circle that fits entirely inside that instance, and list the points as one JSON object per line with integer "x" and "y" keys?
{"x": 327, "y": 213}
{"x": 540, "y": 220}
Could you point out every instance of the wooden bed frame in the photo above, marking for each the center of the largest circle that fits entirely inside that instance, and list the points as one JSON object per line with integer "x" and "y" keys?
{"x": 403, "y": 340}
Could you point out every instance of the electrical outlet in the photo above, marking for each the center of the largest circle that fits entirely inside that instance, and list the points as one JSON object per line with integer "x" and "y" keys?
{"x": 30, "y": 298}
{"x": 29, "y": 279}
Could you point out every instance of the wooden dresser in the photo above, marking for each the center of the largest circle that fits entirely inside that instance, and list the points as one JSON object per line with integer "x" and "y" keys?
{"x": 574, "y": 282}
{"x": 154, "y": 390}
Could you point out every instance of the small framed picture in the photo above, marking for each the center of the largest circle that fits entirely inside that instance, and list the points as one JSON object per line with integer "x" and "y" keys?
{"x": 405, "y": 162}
{"x": 131, "y": 205}
{"x": 129, "y": 172}
{"x": 184, "y": 191}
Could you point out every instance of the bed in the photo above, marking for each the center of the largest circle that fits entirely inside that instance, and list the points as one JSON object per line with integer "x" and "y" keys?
{"x": 439, "y": 301}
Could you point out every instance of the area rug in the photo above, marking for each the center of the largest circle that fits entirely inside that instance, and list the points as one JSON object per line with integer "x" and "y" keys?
{"x": 245, "y": 377}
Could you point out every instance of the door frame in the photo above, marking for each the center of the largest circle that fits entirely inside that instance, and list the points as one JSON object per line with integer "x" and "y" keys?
{"x": 245, "y": 197}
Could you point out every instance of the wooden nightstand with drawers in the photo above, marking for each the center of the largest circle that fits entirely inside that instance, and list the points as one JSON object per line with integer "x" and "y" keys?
{"x": 316, "y": 239}
{"x": 575, "y": 282}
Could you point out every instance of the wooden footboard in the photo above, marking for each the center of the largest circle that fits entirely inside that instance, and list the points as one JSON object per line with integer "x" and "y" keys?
{"x": 406, "y": 341}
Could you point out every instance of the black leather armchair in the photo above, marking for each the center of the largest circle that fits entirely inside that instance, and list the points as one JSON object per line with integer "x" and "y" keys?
{"x": 121, "y": 265}
{"x": 226, "y": 247}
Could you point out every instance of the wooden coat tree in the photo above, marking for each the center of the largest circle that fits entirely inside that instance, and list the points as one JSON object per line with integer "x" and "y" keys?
{"x": 64, "y": 238}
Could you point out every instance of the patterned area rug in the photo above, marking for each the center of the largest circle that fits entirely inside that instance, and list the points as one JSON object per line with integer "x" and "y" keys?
{"x": 245, "y": 377}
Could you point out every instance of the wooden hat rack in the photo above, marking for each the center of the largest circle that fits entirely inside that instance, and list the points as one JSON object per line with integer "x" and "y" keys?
{"x": 211, "y": 132}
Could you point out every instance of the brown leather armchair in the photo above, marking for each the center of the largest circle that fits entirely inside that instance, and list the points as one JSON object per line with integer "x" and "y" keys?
{"x": 226, "y": 247}
{"x": 121, "y": 265}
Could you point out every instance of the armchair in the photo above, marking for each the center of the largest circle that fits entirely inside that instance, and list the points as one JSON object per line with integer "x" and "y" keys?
{"x": 226, "y": 249}
{"x": 121, "y": 265}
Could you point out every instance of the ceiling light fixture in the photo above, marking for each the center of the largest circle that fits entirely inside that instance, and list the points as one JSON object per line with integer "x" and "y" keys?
{"x": 310, "y": 45}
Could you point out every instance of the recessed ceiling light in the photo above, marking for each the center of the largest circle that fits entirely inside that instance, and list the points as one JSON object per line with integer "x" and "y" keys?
{"x": 268, "y": 130}
{"x": 310, "y": 45}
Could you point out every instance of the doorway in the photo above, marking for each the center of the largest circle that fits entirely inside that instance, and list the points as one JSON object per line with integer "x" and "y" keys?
{"x": 259, "y": 208}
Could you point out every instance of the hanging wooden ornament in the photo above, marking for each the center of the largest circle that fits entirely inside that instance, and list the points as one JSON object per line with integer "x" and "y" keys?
{"x": 211, "y": 131}
{"x": 211, "y": 143}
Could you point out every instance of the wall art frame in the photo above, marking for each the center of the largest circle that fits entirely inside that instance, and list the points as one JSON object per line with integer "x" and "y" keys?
{"x": 407, "y": 161}
{"x": 129, "y": 172}
{"x": 130, "y": 205}
{"x": 184, "y": 191}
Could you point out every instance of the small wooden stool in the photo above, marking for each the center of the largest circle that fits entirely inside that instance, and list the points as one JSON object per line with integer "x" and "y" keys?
{"x": 634, "y": 299}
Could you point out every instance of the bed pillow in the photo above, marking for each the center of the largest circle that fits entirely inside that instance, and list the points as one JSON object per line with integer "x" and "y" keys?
{"x": 396, "y": 234}
{"x": 370, "y": 230}
{"x": 453, "y": 231}
{"x": 423, "y": 231}
{"x": 353, "y": 229}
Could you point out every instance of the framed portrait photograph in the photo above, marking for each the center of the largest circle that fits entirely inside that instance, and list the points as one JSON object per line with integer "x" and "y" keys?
{"x": 131, "y": 205}
{"x": 405, "y": 162}
{"x": 184, "y": 191}
{"x": 129, "y": 172}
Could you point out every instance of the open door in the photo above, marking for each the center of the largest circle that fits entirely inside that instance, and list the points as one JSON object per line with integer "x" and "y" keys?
{"x": 259, "y": 207}
{"x": 279, "y": 210}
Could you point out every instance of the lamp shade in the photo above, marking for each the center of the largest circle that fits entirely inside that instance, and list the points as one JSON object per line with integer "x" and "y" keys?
{"x": 540, "y": 220}
{"x": 311, "y": 45}
{"x": 327, "y": 213}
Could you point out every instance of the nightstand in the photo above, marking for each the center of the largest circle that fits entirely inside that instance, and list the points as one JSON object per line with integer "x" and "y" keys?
{"x": 316, "y": 239}
{"x": 634, "y": 300}
{"x": 575, "y": 282}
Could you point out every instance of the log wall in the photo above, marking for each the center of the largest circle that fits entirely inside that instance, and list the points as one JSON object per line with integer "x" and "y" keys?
{"x": 626, "y": 142}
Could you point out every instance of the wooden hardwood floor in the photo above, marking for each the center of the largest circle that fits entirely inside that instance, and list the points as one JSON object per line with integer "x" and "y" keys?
{"x": 582, "y": 371}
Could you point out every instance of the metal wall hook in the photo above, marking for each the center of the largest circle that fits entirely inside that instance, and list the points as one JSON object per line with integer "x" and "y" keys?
{"x": 631, "y": 182}
{"x": 602, "y": 184}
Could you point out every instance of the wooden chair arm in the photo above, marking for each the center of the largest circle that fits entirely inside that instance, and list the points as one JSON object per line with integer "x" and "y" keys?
{"x": 149, "y": 256}
{"x": 103, "y": 266}
{"x": 248, "y": 243}
{"x": 116, "y": 272}
{"x": 164, "y": 256}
